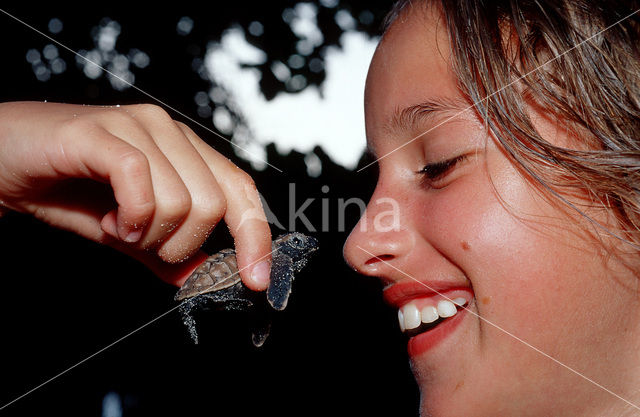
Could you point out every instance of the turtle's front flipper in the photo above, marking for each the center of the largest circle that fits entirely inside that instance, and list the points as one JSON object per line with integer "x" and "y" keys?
{"x": 260, "y": 332}
{"x": 281, "y": 281}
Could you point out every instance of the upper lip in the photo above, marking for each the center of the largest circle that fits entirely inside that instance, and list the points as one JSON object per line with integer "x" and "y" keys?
{"x": 401, "y": 292}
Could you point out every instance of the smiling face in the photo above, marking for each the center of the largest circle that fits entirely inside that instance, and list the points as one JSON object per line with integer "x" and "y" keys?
{"x": 473, "y": 231}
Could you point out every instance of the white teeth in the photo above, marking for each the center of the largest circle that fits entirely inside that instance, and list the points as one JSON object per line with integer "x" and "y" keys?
{"x": 446, "y": 308}
{"x": 411, "y": 316}
{"x": 429, "y": 314}
{"x": 459, "y": 301}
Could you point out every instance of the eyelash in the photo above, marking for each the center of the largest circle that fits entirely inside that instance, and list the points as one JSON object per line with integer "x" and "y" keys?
{"x": 438, "y": 170}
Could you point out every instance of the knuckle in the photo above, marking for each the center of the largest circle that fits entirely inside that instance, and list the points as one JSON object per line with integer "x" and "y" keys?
{"x": 121, "y": 119}
{"x": 177, "y": 207}
{"x": 133, "y": 161}
{"x": 155, "y": 112}
{"x": 182, "y": 126}
{"x": 142, "y": 209}
{"x": 187, "y": 131}
{"x": 170, "y": 254}
{"x": 76, "y": 127}
{"x": 244, "y": 180}
{"x": 211, "y": 207}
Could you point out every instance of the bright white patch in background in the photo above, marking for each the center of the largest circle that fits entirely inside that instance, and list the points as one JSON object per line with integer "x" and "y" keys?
{"x": 223, "y": 121}
{"x": 55, "y": 25}
{"x": 50, "y": 52}
{"x": 184, "y": 26}
{"x": 107, "y": 36}
{"x": 256, "y": 28}
{"x": 138, "y": 58}
{"x": 111, "y": 405}
{"x": 314, "y": 165}
{"x": 47, "y": 63}
{"x": 58, "y": 66}
{"x": 33, "y": 56}
{"x": 345, "y": 20}
{"x": 329, "y": 3}
{"x": 297, "y": 121}
{"x": 106, "y": 55}
{"x": 91, "y": 68}
{"x": 280, "y": 71}
{"x": 304, "y": 24}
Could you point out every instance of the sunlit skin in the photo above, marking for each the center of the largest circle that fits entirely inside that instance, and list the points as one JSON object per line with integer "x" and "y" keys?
{"x": 485, "y": 226}
{"x": 132, "y": 178}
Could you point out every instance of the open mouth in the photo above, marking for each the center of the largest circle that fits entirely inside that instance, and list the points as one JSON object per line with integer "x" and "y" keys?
{"x": 419, "y": 316}
{"x": 429, "y": 320}
{"x": 429, "y": 311}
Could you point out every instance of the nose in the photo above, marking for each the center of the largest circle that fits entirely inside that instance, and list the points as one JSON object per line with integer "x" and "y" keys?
{"x": 380, "y": 242}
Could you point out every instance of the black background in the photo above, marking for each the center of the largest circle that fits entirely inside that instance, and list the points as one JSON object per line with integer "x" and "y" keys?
{"x": 335, "y": 350}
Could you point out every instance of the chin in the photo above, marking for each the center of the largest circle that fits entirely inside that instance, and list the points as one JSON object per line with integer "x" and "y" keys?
{"x": 440, "y": 396}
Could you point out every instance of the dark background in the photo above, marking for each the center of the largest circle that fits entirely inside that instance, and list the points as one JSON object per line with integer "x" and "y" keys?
{"x": 335, "y": 350}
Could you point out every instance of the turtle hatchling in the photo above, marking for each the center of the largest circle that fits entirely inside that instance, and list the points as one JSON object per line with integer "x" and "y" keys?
{"x": 216, "y": 283}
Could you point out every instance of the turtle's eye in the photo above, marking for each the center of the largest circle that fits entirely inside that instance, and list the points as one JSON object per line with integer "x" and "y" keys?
{"x": 297, "y": 242}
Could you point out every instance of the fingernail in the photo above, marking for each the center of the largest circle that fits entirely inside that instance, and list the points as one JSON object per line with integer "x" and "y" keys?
{"x": 133, "y": 236}
{"x": 260, "y": 274}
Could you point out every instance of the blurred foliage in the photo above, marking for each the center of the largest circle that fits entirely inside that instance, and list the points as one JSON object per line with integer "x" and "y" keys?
{"x": 174, "y": 74}
{"x": 155, "y": 31}
{"x": 280, "y": 42}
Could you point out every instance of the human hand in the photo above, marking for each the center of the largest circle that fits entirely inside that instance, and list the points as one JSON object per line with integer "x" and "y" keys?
{"x": 132, "y": 178}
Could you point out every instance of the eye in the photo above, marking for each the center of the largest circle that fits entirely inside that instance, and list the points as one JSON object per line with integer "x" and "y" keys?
{"x": 434, "y": 173}
{"x": 296, "y": 241}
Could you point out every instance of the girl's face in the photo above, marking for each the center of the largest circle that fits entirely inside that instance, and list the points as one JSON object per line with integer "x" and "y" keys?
{"x": 470, "y": 226}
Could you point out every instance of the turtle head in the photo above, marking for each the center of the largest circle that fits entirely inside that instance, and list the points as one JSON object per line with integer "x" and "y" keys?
{"x": 297, "y": 246}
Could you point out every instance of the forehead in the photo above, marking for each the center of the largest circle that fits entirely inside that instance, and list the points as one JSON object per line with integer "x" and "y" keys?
{"x": 411, "y": 66}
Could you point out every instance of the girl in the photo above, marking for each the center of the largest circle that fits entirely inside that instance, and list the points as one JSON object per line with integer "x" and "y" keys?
{"x": 508, "y": 132}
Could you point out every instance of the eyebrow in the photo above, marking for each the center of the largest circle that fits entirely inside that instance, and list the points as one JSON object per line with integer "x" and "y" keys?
{"x": 404, "y": 119}
{"x": 407, "y": 119}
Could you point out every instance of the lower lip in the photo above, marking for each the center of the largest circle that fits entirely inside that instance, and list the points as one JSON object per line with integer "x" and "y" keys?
{"x": 423, "y": 342}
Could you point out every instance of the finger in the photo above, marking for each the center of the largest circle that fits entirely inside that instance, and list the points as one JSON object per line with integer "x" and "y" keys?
{"x": 172, "y": 198}
{"x": 75, "y": 204}
{"x": 103, "y": 156}
{"x": 109, "y": 223}
{"x": 85, "y": 223}
{"x": 175, "y": 274}
{"x": 244, "y": 216}
{"x": 208, "y": 202}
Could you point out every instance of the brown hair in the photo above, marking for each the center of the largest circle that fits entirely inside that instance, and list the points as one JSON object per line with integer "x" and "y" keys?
{"x": 576, "y": 60}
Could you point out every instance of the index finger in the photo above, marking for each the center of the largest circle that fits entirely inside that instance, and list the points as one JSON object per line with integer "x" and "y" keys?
{"x": 244, "y": 216}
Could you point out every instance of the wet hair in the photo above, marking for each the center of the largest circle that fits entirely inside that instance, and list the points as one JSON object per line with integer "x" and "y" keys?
{"x": 578, "y": 62}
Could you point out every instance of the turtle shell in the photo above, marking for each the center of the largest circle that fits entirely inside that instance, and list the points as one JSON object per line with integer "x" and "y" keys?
{"x": 217, "y": 272}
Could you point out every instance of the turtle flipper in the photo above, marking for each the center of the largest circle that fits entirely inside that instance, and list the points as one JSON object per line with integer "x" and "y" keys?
{"x": 260, "y": 320}
{"x": 282, "y": 269}
{"x": 260, "y": 334}
{"x": 188, "y": 320}
{"x": 216, "y": 284}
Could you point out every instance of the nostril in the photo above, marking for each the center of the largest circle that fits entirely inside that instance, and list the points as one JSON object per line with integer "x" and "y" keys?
{"x": 379, "y": 258}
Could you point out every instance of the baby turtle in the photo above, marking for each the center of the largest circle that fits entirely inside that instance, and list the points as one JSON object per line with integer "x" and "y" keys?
{"x": 217, "y": 282}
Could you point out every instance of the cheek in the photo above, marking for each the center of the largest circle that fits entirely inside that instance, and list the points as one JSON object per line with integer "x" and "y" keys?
{"x": 467, "y": 221}
{"x": 508, "y": 243}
